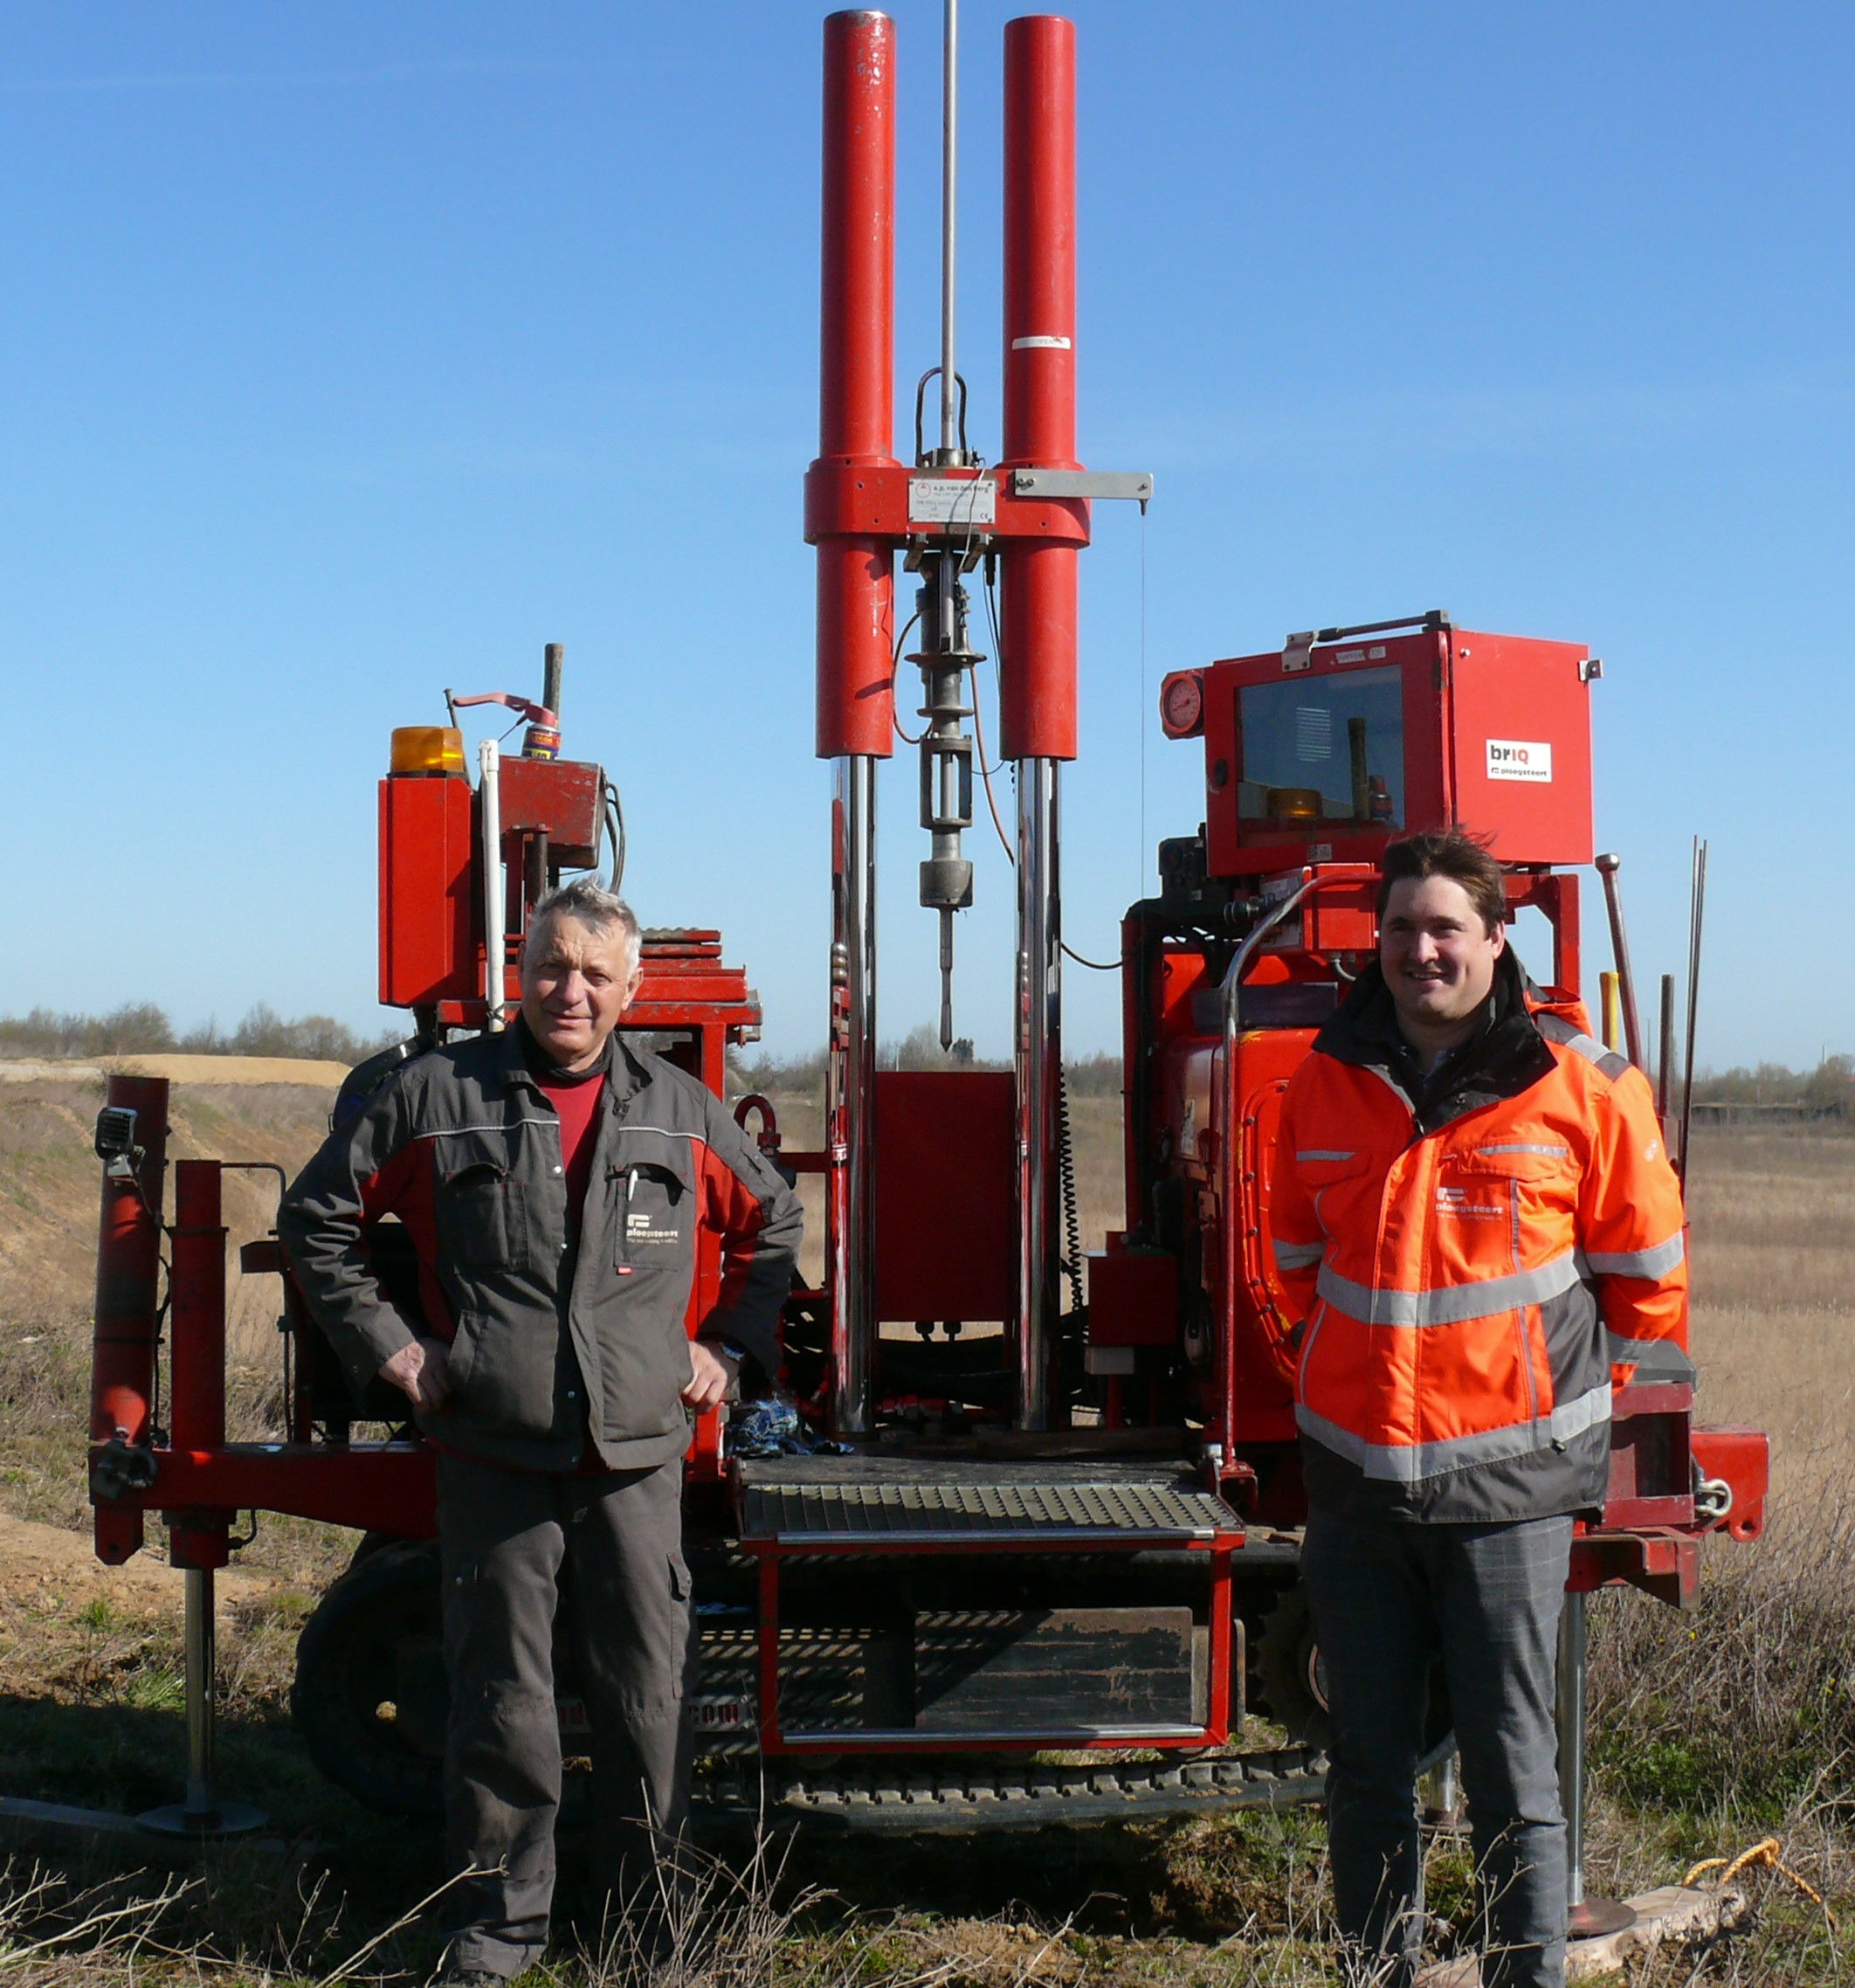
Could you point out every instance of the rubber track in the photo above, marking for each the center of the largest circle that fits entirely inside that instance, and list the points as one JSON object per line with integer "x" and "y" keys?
{"x": 957, "y": 1801}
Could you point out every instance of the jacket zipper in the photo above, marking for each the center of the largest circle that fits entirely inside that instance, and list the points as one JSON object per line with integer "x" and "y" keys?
{"x": 1519, "y": 1317}
{"x": 1307, "y": 1347}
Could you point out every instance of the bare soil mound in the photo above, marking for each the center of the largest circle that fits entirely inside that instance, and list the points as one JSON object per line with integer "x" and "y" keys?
{"x": 44, "y": 1566}
{"x": 180, "y": 1070}
{"x": 49, "y": 1176}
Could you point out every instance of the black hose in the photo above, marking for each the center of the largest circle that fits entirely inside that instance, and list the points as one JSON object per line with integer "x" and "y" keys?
{"x": 615, "y": 829}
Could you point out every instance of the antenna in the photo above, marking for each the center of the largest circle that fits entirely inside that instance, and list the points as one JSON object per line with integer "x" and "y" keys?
{"x": 949, "y": 165}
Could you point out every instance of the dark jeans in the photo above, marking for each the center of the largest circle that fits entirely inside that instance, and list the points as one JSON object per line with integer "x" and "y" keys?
{"x": 511, "y": 1540}
{"x": 1388, "y": 1598}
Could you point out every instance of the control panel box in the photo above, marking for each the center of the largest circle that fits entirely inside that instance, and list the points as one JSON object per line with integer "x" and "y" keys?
{"x": 1327, "y": 749}
{"x": 430, "y": 921}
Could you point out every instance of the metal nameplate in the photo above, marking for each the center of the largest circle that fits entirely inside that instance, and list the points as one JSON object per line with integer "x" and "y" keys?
{"x": 954, "y": 500}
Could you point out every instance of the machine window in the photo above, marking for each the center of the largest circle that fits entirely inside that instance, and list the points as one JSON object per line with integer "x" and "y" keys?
{"x": 1330, "y": 751}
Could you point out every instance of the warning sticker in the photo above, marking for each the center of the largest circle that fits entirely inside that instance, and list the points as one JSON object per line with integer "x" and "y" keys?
{"x": 1520, "y": 759}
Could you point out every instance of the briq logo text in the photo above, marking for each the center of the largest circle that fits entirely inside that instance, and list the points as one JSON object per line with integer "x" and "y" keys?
{"x": 1520, "y": 759}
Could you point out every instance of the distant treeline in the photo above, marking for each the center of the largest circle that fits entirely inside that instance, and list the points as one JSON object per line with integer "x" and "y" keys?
{"x": 1826, "y": 1091}
{"x": 141, "y": 1029}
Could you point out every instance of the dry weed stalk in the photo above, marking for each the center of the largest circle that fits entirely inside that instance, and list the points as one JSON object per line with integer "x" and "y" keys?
{"x": 41, "y": 1916}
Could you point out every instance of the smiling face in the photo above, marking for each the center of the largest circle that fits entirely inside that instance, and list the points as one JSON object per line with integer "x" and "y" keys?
{"x": 1438, "y": 959}
{"x": 576, "y": 980}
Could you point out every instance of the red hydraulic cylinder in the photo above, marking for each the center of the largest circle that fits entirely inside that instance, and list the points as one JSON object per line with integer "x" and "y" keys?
{"x": 197, "y": 1410}
{"x": 1037, "y": 583}
{"x": 856, "y": 693}
{"x": 129, "y": 1270}
{"x": 129, "y": 1297}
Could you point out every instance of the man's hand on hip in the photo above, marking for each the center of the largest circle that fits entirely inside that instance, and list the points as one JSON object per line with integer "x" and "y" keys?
{"x": 421, "y": 1371}
{"x": 712, "y": 1378}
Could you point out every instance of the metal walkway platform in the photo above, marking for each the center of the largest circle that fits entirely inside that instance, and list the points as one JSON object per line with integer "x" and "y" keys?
{"x": 801, "y": 1502}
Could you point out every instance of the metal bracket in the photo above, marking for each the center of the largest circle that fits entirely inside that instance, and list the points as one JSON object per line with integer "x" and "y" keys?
{"x": 1136, "y": 484}
{"x": 118, "y": 1467}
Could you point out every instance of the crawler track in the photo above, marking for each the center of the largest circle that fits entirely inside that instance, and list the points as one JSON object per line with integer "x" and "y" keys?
{"x": 956, "y": 1798}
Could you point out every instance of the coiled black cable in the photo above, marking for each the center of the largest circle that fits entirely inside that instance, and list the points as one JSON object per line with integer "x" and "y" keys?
{"x": 1066, "y": 1174}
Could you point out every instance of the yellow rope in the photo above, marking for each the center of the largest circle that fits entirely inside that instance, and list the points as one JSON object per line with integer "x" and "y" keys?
{"x": 1768, "y": 1855}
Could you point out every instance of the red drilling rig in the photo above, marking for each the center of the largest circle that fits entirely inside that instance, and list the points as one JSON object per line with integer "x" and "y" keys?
{"x": 1038, "y": 1529}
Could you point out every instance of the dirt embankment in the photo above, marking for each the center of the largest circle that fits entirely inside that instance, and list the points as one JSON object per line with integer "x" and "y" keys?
{"x": 269, "y": 1111}
{"x": 216, "y": 1070}
{"x": 60, "y": 1568}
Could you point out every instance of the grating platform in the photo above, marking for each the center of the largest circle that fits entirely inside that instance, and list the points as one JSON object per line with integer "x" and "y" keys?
{"x": 1001, "y": 1506}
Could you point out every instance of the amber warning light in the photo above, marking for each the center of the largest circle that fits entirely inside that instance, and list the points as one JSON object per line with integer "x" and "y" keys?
{"x": 428, "y": 748}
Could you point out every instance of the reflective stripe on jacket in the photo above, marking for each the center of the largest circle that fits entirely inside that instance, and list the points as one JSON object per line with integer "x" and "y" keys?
{"x": 1471, "y": 1286}
{"x": 554, "y": 1336}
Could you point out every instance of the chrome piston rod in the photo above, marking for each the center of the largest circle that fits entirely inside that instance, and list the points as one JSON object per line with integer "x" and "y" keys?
{"x": 852, "y": 1131}
{"x": 1039, "y": 1064}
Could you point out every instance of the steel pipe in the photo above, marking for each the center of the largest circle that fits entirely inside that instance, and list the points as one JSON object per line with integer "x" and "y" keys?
{"x": 851, "y": 1134}
{"x": 1697, "y": 914}
{"x": 1572, "y": 1663}
{"x": 1607, "y": 868}
{"x": 949, "y": 180}
{"x": 202, "y": 1697}
{"x": 1665, "y": 1056}
{"x": 1586, "y": 1917}
{"x": 856, "y": 574}
{"x": 202, "y": 1815}
{"x": 1039, "y": 1067}
{"x": 495, "y": 948}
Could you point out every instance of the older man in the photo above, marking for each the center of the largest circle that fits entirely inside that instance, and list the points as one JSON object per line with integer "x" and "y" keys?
{"x": 1473, "y": 1207}
{"x": 553, "y": 1181}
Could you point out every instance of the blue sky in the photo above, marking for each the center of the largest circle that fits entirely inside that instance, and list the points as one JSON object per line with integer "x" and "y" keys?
{"x": 354, "y": 351}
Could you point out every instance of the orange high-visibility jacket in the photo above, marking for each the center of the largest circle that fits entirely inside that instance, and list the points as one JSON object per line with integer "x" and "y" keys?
{"x": 1468, "y": 1287}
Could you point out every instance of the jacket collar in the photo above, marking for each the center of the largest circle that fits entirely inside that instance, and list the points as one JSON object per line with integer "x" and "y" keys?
{"x": 1507, "y": 1056}
{"x": 628, "y": 1073}
{"x": 509, "y": 1065}
{"x": 623, "y": 1076}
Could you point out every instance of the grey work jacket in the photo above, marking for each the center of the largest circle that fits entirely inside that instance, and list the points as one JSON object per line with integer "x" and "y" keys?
{"x": 554, "y": 1338}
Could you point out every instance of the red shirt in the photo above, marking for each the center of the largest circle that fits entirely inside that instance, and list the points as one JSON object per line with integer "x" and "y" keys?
{"x": 578, "y": 1106}
{"x": 577, "y": 1103}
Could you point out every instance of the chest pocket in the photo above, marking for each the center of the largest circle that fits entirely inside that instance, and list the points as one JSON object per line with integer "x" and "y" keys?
{"x": 482, "y": 1217}
{"x": 1486, "y": 1194}
{"x": 656, "y": 1209}
{"x": 1324, "y": 1168}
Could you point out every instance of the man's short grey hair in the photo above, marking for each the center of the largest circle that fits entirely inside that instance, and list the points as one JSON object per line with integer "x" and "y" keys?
{"x": 588, "y": 903}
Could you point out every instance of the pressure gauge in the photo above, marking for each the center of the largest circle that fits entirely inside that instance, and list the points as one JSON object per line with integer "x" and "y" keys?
{"x": 1182, "y": 704}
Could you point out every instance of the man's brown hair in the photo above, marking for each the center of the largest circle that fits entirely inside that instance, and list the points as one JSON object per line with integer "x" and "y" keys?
{"x": 1451, "y": 853}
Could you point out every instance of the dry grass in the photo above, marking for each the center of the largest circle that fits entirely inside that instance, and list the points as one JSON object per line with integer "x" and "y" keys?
{"x": 1773, "y": 1327}
{"x": 48, "y": 1191}
{"x": 1712, "y": 1729}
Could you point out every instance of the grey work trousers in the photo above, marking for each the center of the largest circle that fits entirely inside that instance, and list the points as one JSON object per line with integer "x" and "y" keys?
{"x": 1388, "y": 1599}
{"x": 512, "y": 1543}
